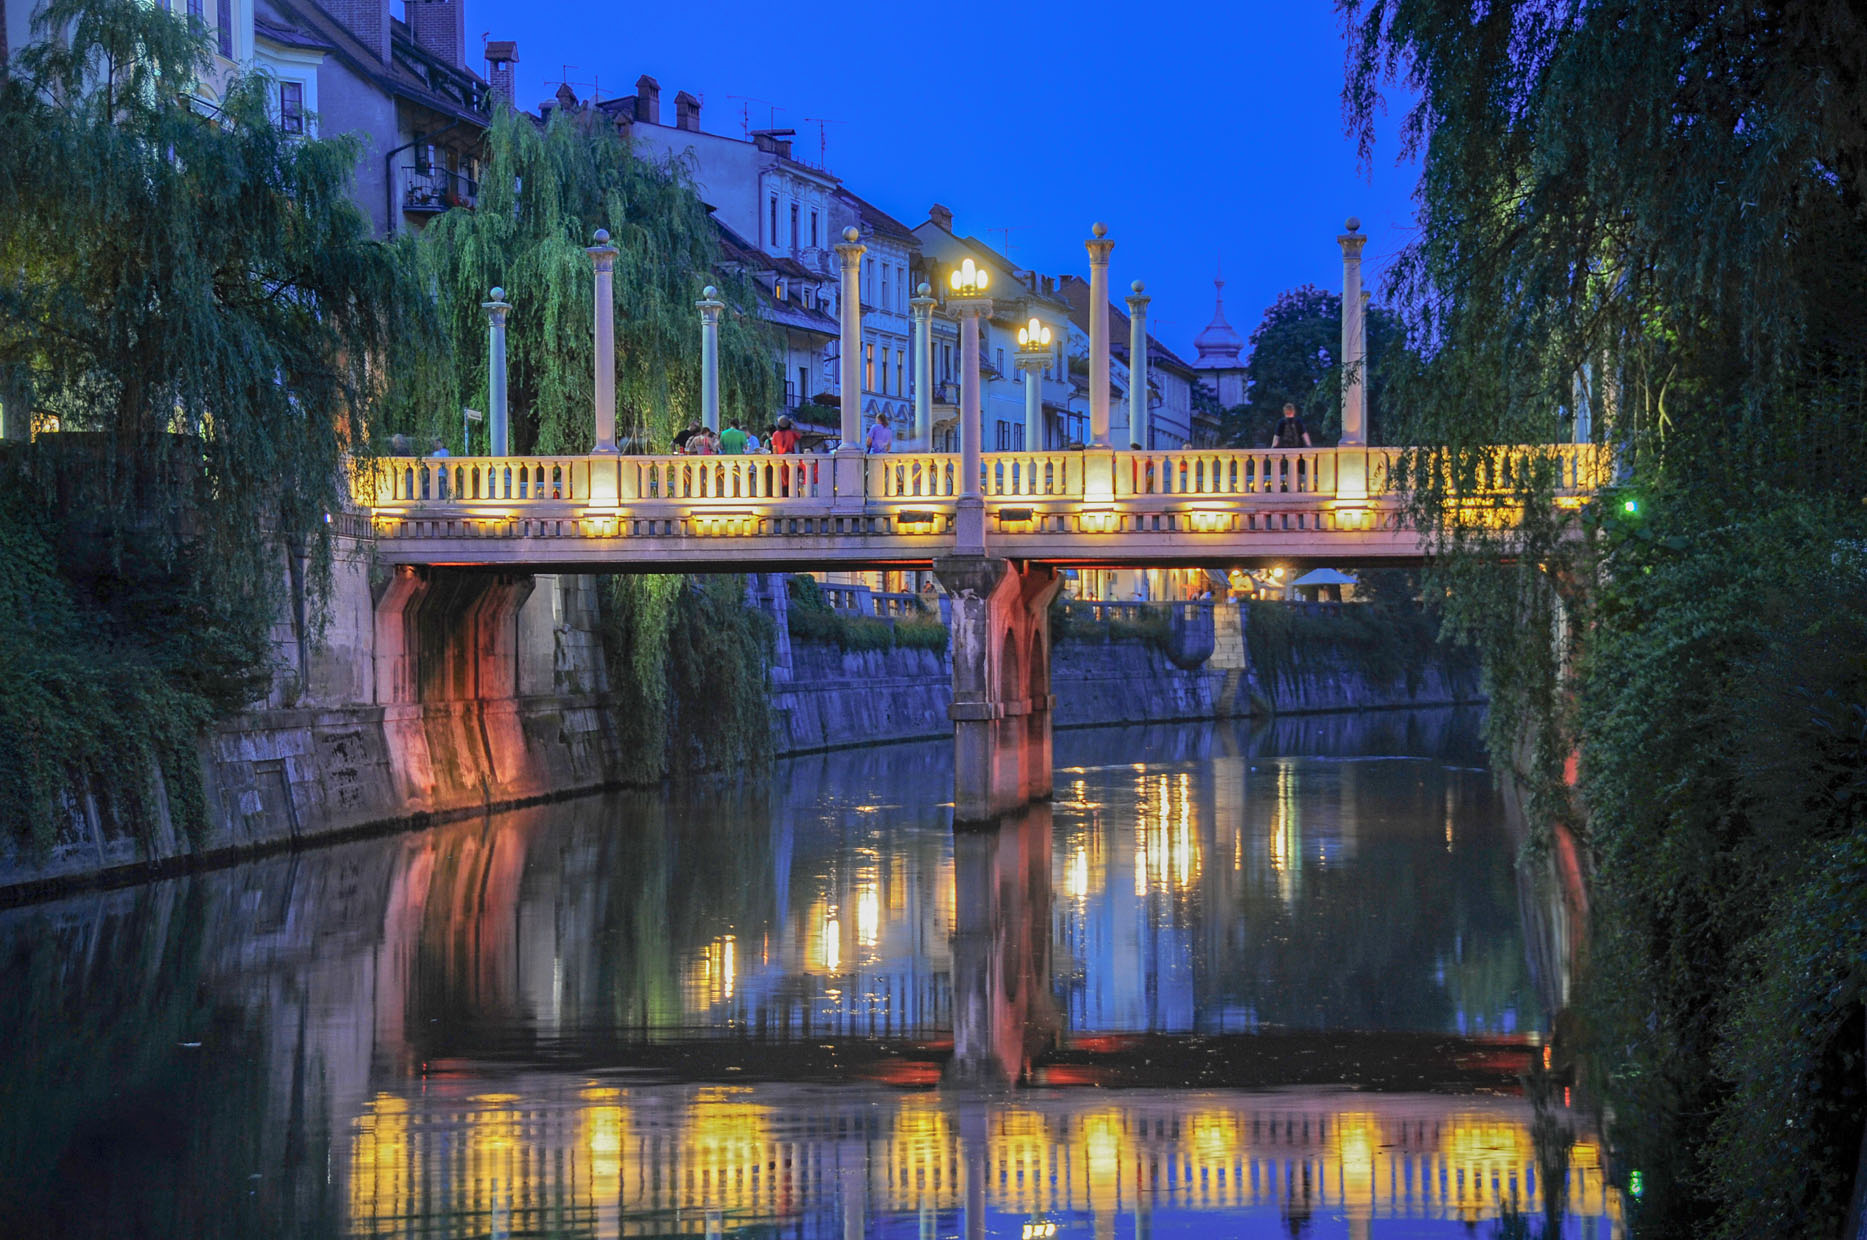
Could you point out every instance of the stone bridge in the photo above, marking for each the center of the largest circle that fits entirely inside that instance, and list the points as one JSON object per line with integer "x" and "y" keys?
{"x": 997, "y": 549}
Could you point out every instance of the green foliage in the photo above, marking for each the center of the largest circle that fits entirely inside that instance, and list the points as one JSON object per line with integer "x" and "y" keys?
{"x": 94, "y": 700}
{"x": 1385, "y": 642}
{"x": 1296, "y": 358}
{"x": 544, "y": 193}
{"x": 809, "y": 618}
{"x": 1077, "y": 621}
{"x": 688, "y": 664}
{"x": 1651, "y": 210}
{"x": 168, "y": 268}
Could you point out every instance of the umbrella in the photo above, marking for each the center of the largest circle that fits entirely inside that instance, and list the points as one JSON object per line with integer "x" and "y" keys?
{"x": 1324, "y": 577}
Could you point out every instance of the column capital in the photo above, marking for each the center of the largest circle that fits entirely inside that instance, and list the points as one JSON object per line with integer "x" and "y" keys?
{"x": 970, "y": 307}
{"x": 923, "y": 303}
{"x": 710, "y": 304}
{"x": 1352, "y": 240}
{"x": 1099, "y": 251}
{"x": 498, "y": 307}
{"x": 850, "y": 248}
{"x": 1138, "y": 301}
{"x": 603, "y": 253}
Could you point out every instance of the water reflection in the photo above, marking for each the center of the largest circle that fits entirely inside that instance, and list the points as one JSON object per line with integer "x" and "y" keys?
{"x": 791, "y": 1004}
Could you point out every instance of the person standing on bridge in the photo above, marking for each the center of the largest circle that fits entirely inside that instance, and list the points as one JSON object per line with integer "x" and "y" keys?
{"x": 732, "y": 440}
{"x": 880, "y": 438}
{"x": 784, "y": 439}
{"x": 1291, "y": 433}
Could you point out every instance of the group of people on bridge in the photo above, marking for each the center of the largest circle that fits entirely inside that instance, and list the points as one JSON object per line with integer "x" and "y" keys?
{"x": 781, "y": 438}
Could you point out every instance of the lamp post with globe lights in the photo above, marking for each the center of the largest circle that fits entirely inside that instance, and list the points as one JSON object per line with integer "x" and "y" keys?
{"x": 968, "y": 299}
{"x": 1033, "y": 355}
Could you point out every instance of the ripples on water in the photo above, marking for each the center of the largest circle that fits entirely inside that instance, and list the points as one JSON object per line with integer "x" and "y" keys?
{"x": 1252, "y": 984}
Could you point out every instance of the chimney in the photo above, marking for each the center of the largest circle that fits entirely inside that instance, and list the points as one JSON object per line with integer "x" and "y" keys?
{"x": 501, "y": 55}
{"x": 941, "y": 216}
{"x": 648, "y": 100}
{"x": 687, "y": 112}
{"x": 368, "y": 20}
{"x": 440, "y": 26}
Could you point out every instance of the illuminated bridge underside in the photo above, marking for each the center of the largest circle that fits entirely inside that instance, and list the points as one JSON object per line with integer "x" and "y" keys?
{"x": 788, "y": 512}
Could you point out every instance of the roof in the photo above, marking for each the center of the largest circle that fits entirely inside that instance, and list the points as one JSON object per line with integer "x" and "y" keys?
{"x": 1324, "y": 577}
{"x": 877, "y": 221}
{"x": 413, "y": 72}
{"x": 787, "y": 313}
{"x": 288, "y": 35}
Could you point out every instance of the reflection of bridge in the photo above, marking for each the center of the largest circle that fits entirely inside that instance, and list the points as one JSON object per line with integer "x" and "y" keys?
{"x": 657, "y": 1160}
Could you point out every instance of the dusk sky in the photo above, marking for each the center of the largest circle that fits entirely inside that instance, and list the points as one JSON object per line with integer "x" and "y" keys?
{"x": 1197, "y": 132}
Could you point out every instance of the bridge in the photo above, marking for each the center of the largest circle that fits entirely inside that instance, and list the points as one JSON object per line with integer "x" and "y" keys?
{"x": 995, "y": 528}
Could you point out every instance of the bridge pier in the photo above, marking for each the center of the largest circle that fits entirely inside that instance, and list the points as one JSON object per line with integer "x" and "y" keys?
{"x": 1001, "y": 683}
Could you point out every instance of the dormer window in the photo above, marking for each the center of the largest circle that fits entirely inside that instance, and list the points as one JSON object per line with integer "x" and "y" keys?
{"x": 777, "y": 290}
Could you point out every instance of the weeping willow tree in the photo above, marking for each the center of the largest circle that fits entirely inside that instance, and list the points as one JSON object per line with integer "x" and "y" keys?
{"x": 543, "y": 194}
{"x": 189, "y": 297}
{"x": 686, "y": 657}
{"x": 1647, "y": 213}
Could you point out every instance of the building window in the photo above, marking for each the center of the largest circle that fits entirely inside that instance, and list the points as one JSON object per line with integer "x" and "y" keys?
{"x": 886, "y": 302}
{"x": 794, "y": 225}
{"x": 777, "y": 289}
{"x": 868, "y": 286}
{"x": 901, "y": 385}
{"x": 901, "y": 288}
{"x": 292, "y": 107}
{"x": 946, "y": 362}
{"x": 1001, "y": 361}
{"x": 223, "y": 21}
{"x": 195, "y": 12}
{"x": 813, "y": 230}
{"x": 803, "y": 384}
{"x": 868, "y": 367}
{"x": 771, "y": 237}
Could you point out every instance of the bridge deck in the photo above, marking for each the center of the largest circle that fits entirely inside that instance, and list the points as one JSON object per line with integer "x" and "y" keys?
{"x": 659, "y": 513}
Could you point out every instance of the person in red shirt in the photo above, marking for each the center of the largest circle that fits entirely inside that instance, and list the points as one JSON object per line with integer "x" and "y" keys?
{"x": 784, "y": 439}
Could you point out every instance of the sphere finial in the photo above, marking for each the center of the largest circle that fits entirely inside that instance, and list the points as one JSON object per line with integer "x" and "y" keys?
{"x": 923, "y": 289}
{"x": 850, "y": 234}
{"x": 602, "y": 236}
{"x": 497, "y": 294}
{"x": 1138, "y": 287}
{"x": 1099, "y": 229}
{"x": 709, "y": 292}
{"x": 1353, "y": 222}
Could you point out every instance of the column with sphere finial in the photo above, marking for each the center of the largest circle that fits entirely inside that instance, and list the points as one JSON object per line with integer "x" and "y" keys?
{"x": 848, "y": 472}
{"x": 1351, "y": 456}
{"x": 603, "y": 254}
{"x": 498, "y": 418}
{"x": 922, "y": 305}
{"x": 1137, "y": 365}
{"x": 710, "y": 306}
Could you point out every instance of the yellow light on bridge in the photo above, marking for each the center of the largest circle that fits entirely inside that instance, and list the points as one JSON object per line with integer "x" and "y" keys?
{"x": 969, "y": 279}
{"x": 1034, "y": 335}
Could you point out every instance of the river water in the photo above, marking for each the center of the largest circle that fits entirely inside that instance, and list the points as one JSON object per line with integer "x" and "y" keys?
{"x": 1231, "y": 982}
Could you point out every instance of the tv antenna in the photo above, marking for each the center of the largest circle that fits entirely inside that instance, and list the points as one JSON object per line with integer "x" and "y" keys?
{"x": 822, "y": 143}
{"x": 745, "y": 112}
{"x": 1005, "y": 231}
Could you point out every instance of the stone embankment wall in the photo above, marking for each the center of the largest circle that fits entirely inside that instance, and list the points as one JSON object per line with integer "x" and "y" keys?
{"x": 427, "y": 695}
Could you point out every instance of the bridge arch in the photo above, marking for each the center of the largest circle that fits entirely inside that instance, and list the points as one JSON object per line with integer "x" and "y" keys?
{"x": 1010, "y": 680}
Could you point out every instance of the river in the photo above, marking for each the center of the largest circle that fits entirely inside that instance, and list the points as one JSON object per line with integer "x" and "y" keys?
{"x": 1230, "y": 982}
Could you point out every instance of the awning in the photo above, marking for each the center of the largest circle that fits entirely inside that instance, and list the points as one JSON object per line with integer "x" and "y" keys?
{"x": 1324, "y": 577}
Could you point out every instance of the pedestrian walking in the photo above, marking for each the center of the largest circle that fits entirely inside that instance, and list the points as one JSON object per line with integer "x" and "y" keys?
{"x": 880, "y": 438}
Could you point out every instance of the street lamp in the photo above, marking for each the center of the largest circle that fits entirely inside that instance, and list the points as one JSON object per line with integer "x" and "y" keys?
{"x": 969, "y": 280}
{"x": 1033, "y": 356}
{"x": 970, "y": 303}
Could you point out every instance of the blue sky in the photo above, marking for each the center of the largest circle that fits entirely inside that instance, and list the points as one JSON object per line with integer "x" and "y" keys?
{"x": 1194, "y": 130}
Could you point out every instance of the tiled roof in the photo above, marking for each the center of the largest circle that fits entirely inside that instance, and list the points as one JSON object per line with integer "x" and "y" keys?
{"x": 878, "y": 221}
{"x": 288, "y": 35}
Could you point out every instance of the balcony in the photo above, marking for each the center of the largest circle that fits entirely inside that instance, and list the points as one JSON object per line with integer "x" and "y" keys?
{"x": 434, "y": 190}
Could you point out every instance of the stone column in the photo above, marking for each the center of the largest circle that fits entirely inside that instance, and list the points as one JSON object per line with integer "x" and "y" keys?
{"x": 499, "y": 421}
{"x": 922, "y": 305}
{"x": 969, "y": 516}
{"x": 848, "y": 472}
{"x": 1000, "y": 621}
{"x": 710, "y": 306}
{"x": 1354, "y": 350}
{"x": 603, "y": 254}
{"x": 1099, "y": 247}
{"x": 1032, "y": 364}
{"x": 1137, "y": 364}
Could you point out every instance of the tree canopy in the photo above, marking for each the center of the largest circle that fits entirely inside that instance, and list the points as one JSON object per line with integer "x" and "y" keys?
{"x": 1650, "y": 210}
{"x": 543, "y": 194}
{"x": 1296, "y": 358}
